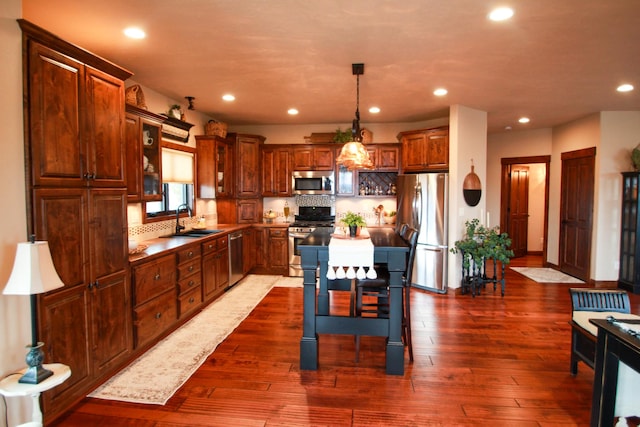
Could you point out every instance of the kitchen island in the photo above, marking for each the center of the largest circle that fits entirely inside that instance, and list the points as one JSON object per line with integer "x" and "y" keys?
{"x": 389, "y": 249}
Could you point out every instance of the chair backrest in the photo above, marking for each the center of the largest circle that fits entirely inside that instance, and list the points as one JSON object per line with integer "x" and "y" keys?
{"x": 410, "y": 236}
{"x": 586, "y": 299}
{"x": 401, "y": 228}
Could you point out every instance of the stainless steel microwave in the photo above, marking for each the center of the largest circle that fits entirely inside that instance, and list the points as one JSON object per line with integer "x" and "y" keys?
{"x": 312, "y": 182}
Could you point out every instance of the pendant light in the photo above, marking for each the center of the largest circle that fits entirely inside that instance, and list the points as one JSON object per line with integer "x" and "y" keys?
{"x": 353, "y": 154}
{"x": 471, "y": 188}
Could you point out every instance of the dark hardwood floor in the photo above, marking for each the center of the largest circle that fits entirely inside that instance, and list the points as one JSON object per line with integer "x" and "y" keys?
{"x": 478, "y": 361}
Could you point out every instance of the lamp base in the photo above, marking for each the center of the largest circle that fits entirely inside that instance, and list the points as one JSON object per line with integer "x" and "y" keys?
{"x": 35, "y": 374}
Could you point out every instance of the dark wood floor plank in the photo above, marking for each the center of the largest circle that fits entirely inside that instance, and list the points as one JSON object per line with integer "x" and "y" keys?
{"x": 487, "y": 360}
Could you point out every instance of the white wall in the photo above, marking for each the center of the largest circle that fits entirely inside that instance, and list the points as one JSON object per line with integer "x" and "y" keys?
{"x": 15, "y": 323}
{"x": 467, "y": 140}
{"x": 507, "y": 145}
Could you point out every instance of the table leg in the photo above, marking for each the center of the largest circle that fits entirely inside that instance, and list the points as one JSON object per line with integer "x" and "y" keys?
{"x": 395, "y": 347}
{"x": 309, "y": 341}
{"x": 36, "y": 413}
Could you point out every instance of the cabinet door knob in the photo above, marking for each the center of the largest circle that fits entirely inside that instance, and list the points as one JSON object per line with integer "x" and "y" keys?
{"x": 191, "y": 283}
{"x": 156, "y": 277}
{"x": 190, "y": 254}
{"x": 191, "y": 300}
{"x": 158, "y": 315}
{"x": 190, "y": 268}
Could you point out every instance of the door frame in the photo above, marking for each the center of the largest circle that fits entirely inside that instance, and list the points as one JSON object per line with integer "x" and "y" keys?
{"x": 505, "y": 188}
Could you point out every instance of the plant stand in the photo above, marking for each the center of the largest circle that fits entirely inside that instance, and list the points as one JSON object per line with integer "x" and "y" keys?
{"x": 474, "y": 276}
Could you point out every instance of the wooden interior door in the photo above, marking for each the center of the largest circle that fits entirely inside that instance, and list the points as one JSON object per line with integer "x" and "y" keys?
{"x": 576, "y": 212}
{"x": 519, "y": 209}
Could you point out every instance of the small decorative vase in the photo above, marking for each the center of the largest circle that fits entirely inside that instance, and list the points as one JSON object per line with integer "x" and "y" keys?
{"x": 354, "y": 230}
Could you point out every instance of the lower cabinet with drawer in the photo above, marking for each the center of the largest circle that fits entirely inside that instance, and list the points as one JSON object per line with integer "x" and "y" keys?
{"x": 215, "y": 267}
{"x": 189, "y": 280}
{"x": 154, "y": 296}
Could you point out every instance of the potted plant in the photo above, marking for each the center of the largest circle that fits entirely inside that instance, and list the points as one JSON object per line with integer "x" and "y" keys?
{"x": 343, "y": 136}
{"x": 175, "y": 111}
{"x": 354, "y": 222}
{"x": 477, "y": 245}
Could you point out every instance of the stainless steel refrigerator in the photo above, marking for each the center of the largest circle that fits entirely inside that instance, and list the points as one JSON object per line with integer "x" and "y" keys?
{"x": 422, "y": 203}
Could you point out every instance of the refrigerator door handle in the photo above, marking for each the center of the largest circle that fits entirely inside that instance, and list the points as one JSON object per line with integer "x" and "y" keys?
{"x": 417, "y": 207}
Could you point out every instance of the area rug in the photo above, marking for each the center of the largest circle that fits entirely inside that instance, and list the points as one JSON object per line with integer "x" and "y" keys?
{"x": 545, "y": 275}
{"x": 156, "y": 375}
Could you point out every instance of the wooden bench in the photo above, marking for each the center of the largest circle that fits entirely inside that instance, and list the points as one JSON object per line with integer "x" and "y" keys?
{"x": 589, "y": 303}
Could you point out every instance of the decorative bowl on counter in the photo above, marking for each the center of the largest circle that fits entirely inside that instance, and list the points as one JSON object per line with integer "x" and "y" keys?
{"x": 389, "y": 219}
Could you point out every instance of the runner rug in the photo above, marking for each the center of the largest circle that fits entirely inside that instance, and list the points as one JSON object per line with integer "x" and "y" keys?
{"x": 546, "y": 275}
{"x": 156, "y": 375}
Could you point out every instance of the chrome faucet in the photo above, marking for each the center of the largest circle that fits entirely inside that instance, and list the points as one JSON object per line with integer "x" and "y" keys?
{"x": 179, "y": 227}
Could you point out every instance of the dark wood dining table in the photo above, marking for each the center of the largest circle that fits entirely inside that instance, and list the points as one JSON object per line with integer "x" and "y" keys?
{"x": 389, "y": 249}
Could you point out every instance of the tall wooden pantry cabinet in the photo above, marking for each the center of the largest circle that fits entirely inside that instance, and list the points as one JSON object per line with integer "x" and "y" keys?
{"x": 629, "y": 276}
{"x": 74, "y": 158}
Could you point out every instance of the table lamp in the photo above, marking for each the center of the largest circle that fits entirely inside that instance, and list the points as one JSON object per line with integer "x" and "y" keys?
{"x": 33, "y": 273}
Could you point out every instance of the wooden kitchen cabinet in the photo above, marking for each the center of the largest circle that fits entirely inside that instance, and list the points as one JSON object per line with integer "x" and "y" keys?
{"x": 239, "y": 211}
{"x": 143, "y": 135}
{"x": 77, "y": 196}
{"x": 425, "y": 150}
{"x": 154, "y": 298}
{"x": 309, "y": 157}
{"x": 248, "y": 250}
{"x": 75, "y": 115}
{"x": 189, "y": 279}
{"x": 276, "y": 171}
{"x": 247, "y": 164}
{"x": 214, "y": 167}
{"x": 215, "y": 267}
{"x": 278, "y": 251}
{"x": 385, "y": 157}
{"x": 272, "y": 250}
{"x": 88, "y": 322}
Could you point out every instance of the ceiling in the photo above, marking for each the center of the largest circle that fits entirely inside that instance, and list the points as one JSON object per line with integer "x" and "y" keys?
{"x": 554, "y": 61}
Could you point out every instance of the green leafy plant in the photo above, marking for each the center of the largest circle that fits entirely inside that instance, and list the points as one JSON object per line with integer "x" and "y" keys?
{"x": 351, "y": 218}
{"x": 479, "y": 243}
{"x": 343, "y": 136}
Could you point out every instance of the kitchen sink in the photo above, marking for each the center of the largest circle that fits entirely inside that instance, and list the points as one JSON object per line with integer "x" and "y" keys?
{"x": 194, "y": 233}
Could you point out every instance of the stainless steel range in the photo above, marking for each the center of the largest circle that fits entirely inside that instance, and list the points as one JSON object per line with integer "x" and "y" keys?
{"x": 308, "y": 219}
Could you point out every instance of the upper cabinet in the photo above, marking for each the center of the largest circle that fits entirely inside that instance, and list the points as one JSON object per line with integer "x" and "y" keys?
{"x": 385, "y": 157}
{"x": 247, "y": 164}
{"x": 143, "y": 134}
{"x": 309, "y": 158}
{"x": 425, "y": 150}
{"x": 75, "y": 112}
{"x": 215, "y": 176}
{"x": 276, "y": 171}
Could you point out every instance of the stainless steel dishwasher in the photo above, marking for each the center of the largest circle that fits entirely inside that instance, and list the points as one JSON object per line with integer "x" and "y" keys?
{"x": 235, "y": 257}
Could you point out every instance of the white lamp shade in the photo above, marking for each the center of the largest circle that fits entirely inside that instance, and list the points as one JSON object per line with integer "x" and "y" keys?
{"x": 33, "y": 271}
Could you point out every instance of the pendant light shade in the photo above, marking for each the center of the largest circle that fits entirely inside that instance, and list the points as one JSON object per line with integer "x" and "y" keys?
{"x": 353, "y": 154}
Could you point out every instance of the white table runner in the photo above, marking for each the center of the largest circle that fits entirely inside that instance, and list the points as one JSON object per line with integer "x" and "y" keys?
{"x": 348, "y": 258}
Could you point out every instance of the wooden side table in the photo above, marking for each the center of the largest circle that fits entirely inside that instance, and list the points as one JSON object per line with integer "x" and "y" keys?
{"x": 10, "y": 386}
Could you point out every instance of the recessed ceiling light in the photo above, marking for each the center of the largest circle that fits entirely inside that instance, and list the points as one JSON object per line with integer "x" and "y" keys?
{"x": 523, "y": 120}
{"x": 501, "y": 14}
{"x": 625, "y": 88}
{"x": 134, "y": 33}
{"x": 374, "y": 110}
{"x": 507, "y": 128}
{"x": 440, "y": 91}
{"x": 292, "y": 111}
{"x": 228, "y": 97}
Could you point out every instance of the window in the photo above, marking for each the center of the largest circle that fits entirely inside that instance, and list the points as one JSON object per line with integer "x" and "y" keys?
{"x": 173, "y": 195}
{"x": 177, "y": 185}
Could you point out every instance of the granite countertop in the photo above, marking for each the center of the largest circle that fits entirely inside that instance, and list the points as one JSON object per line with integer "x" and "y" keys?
{"x": 160, "y": 246}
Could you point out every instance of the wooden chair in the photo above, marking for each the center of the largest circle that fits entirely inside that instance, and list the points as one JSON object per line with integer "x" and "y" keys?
{"x": 377, "y": 292}
{"x": 590, "y": 303}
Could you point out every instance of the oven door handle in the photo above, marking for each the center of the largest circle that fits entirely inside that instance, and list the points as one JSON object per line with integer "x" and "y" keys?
{"x": 298, "y": 235}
